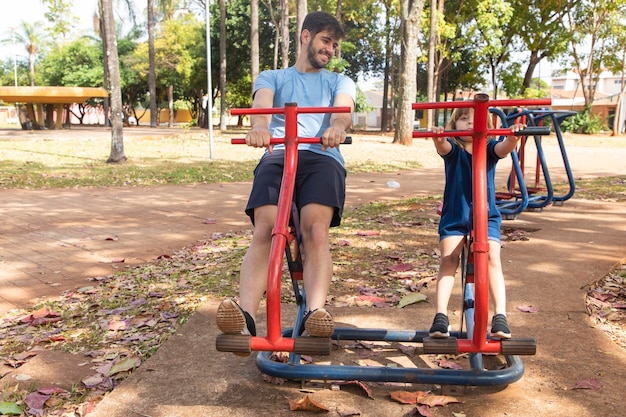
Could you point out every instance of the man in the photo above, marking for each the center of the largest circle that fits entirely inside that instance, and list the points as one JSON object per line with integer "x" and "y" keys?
{"x": 320, "y": 180}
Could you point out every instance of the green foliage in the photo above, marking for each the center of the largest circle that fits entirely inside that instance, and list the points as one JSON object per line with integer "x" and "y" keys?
{"x": 238, "y": 92}
{"x": 513, "y": 84}
{"x": 182, "y": 105}
{"x": 60, "y": 17}
{"x": 77, "y": 64}
{"x": 583, "y": 122}
{"x": 361, "y": 105}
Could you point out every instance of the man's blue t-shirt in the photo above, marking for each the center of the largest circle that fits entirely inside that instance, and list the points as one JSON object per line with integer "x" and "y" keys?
{"x": 311, "y": 89}
{"x": 457, "y": 197}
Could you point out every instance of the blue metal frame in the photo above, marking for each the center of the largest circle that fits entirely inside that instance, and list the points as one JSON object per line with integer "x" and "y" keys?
{"x": 511, "y": 208}
{"x": 294, "y": 369}
{"x": 557, "y": 117}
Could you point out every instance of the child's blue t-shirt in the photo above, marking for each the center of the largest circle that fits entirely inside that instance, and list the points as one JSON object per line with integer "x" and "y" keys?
{"x": 457, "y": 198}
{"x": 311, "y": 89}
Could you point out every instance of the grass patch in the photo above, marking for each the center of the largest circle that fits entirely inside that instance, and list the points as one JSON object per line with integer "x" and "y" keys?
{"x": 603, "y": 188}
{"x": 187, "y": 157}
{"x": 35, "y": 175}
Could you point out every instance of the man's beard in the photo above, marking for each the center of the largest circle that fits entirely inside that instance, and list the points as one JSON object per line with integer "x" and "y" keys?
{"x": 312, "y": 56}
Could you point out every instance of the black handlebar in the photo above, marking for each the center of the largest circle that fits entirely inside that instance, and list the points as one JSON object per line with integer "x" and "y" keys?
{"x": 534, "y": 131}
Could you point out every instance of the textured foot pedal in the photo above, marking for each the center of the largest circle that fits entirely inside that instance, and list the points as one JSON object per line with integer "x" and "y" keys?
{"x": 312, "y": 346}
{"x": 520, "y": 346}
{"x": 443, "y": 346}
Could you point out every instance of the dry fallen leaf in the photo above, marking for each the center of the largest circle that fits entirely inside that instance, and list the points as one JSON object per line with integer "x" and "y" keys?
{"x": 446, "y": 364}
{"x": 406, "y": 397}
{"x": 400, "y": 267}
{"x": 360, "y": 385}
{"x": 307, "y": 404}
{"x": 420, "y": 410}
{"x": 433, "y": 400}
{"x": 592, "y": 383}
{"x": 528, "y": 308}
{"x": 412, "y": 298}
{"x": 126, "y": 364}
{"x": 348, "y": 412}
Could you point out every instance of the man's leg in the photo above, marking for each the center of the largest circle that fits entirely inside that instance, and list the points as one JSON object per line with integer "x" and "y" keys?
{"x": 233, "y": 318}
{"x": 318, "y": 267}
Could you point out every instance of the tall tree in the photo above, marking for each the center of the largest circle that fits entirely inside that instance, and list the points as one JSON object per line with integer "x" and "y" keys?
{"x": 224, "y": 110}
{"x": 301, "y": 12}
{"x": 538, "y": 24}
{"x": 152, "y": 67}
{"x": 284, "y": 30}
{"x": 410, "y": 15}
{"x": 30, "y": 37}
{"x": 432, "y": 48}
{"x": 117, "y": 136}
{"x": 254, "y": 40}
{"x": 59, "y": 14}
{"x": 385, "y": 124}
{"x": 492, "y": 16}
{"x": 589, "y": 25}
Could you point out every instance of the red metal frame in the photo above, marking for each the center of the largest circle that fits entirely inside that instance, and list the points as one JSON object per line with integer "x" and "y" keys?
{"x": 281, "y": 233}
{"x": 480, "y": 246}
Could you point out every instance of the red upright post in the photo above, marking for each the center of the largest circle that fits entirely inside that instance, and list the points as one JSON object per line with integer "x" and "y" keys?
{"x": 280, "y": 232}
{"x": 480, "y": 246}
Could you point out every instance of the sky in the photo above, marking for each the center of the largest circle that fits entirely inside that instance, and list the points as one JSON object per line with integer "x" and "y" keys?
{"x": 32, "y": 11}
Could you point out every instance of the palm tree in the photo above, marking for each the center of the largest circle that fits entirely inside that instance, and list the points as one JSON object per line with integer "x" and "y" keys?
{"x": 30, "y": 37}
{"x": 152, "y": 66}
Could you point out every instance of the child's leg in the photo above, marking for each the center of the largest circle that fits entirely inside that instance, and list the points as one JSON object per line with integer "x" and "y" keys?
{"x": 450, "y": 248}
{"x": 497, "y": 288}
{"x": 499, "y": 324}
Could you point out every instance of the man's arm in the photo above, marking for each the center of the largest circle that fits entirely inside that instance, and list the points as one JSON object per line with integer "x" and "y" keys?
{"x": 339, "y": 123}
{"x": 259, "y": 135}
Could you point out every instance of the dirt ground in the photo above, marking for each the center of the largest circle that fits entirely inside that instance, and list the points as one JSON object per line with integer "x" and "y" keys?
{"x": 577, "y": 371}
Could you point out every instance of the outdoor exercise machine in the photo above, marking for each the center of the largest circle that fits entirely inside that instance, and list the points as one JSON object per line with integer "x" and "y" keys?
{"x": 286, "y": 245}
{"x": 520, "y": 196}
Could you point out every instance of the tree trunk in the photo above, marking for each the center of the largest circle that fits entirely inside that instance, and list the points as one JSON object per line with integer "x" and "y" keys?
{"x": 170, "y": 106}
{"x": 254, "y": 41}
{"x": 533, "y": 61}
{"x": 384, "y": 117}
{"x": 105, "y": 64}
{"x": 617, "y": 119}
{"x": 152, "y": 66}
{"x": 432, "y": 47}
{"x": 117, "y": 137}
{"x": 410, "y": 13}
{"x": 284, "y": 30}
{"x": 223, "y": 109}
{"x": 338, "y": 13}
{"x": 302, "y": 9}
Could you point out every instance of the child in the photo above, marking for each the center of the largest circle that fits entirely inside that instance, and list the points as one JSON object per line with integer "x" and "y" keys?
{"x": 455, "y": 220}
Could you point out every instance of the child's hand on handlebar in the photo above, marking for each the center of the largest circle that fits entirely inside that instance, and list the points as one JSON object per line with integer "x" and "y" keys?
{"x": 517, "y": 127}
{"x": 438, "y": 129}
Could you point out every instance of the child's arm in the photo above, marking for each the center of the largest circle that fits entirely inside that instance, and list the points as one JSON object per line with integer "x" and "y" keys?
{"x": 506, "y": 146}
{"x": 441, "y": 144}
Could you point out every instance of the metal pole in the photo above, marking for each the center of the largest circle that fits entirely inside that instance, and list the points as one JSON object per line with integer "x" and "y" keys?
{"x": 209, "y": 86}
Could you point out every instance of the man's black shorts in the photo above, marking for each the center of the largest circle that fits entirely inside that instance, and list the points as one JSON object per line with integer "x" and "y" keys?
{"x": 319, "y": 179}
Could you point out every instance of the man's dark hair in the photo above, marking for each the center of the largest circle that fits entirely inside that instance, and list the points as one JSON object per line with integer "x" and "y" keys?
{"x": 316, "y": 22}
